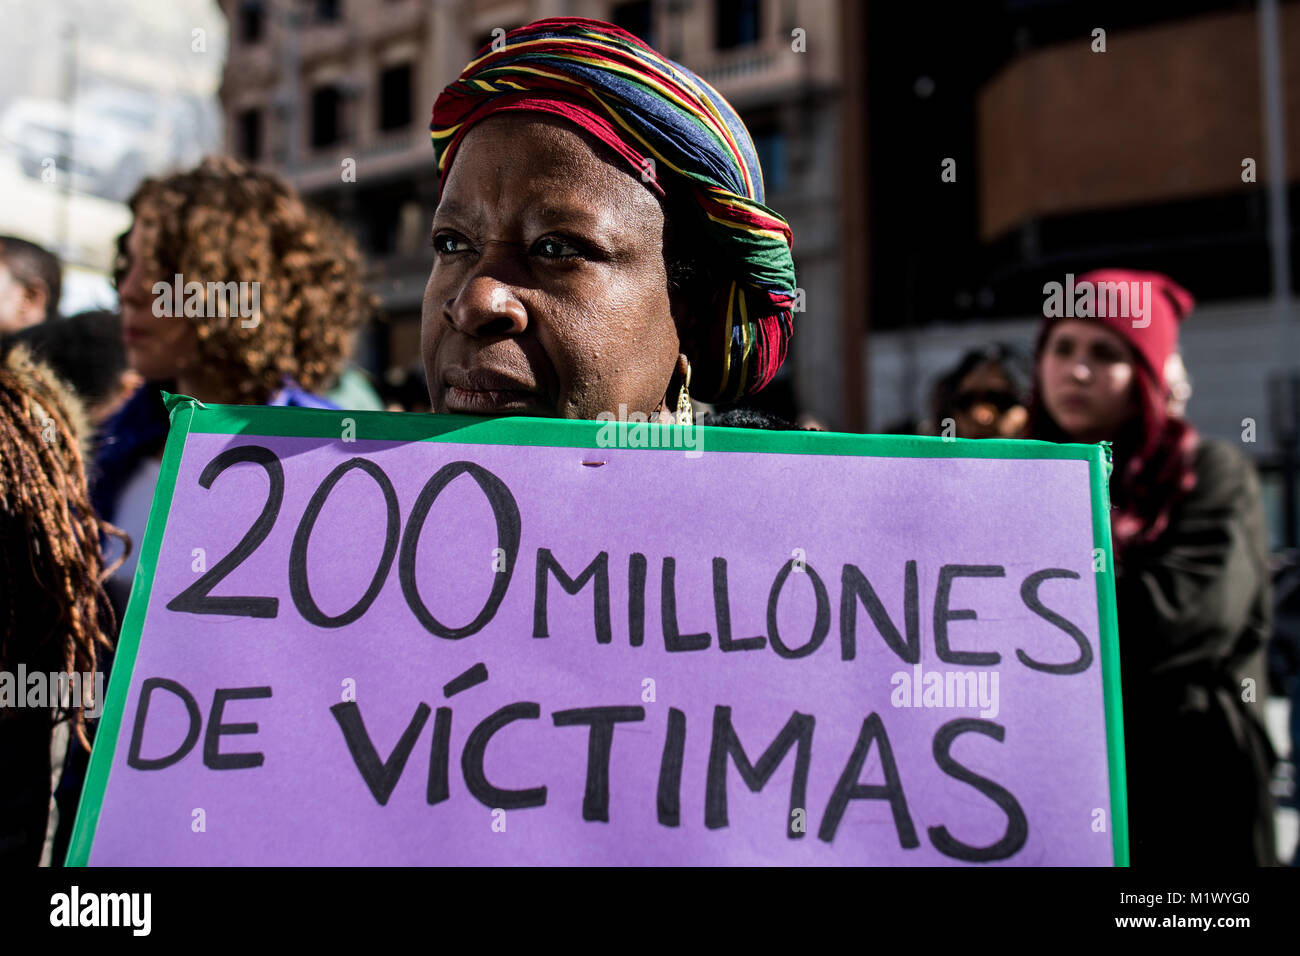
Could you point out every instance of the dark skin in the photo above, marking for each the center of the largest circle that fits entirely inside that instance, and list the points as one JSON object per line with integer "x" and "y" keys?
{"x": 549, "y": 293}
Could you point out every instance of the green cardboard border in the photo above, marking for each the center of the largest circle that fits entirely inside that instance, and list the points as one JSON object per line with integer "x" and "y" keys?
{"x": 189, "y": 416}
{"x": 1107, "y": 622}
{"x": 119, "y": 683}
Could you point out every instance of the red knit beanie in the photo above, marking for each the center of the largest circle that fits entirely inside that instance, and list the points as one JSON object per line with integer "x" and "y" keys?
{"x": 1156, "y": 304}
{"x": 1158, "y": 472}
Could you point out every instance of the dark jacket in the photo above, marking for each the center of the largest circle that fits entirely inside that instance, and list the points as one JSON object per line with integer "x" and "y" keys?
{"x": 139, "y": 429}
{"x": 1194, "y": 613}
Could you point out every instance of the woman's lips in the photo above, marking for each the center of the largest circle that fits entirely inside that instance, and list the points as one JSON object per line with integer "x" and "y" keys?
{"x": 488, "y": 401}
{"x": 481, "y": 391}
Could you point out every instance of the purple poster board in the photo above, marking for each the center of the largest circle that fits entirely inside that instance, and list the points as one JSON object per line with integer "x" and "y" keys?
{"x": 370, "y": 638}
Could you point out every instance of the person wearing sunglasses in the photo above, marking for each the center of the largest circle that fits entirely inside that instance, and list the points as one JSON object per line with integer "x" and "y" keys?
{"x": 982, "y": 396}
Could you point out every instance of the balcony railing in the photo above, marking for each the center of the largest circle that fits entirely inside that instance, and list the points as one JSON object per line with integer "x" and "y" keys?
{"x": 752, "y": 69}
{"x": 738, "y": 64}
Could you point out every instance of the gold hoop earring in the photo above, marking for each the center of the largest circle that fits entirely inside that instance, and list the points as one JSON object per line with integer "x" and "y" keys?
{"x": 685, "y": 411}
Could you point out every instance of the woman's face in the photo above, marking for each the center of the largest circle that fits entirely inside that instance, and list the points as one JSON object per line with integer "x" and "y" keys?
{"x": 159, "y": 347}
{"x": 1088, "y": 382}
{"x": 549, "y": 294}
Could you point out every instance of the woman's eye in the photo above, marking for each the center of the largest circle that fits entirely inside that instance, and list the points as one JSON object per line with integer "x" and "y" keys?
{"x": 447, "y": 243}
{"x": 553, "y": 248}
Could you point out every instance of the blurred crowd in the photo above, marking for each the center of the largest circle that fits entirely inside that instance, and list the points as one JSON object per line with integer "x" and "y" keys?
{"x": 1202, "y": 608}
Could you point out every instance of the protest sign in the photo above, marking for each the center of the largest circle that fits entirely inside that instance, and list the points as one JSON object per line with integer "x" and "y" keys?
{"x": 371, "y": 638}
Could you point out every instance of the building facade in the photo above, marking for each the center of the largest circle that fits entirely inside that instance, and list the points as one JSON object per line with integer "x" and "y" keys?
{"x": 1081, "y": 136}
{"x": 336, "y": 96}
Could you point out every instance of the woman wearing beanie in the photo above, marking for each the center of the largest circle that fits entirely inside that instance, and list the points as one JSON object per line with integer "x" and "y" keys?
{"x": 1191, "y": 576}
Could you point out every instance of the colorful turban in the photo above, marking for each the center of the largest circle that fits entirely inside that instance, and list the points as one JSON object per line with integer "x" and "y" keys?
{"x": 647, "y": 108}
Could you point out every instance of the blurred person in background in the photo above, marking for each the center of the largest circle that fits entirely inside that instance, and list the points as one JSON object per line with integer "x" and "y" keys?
{"x": 55, "y": 614}
{"x": 405, "y": 389}
{"x": 221, "y": 222}
{"x": 86, "y": 351}
{"x": 30, "y": 280}
{"x": 355, "y": 389}
{"x": 1192, "y": 583}
{"x": 983, "y": 396}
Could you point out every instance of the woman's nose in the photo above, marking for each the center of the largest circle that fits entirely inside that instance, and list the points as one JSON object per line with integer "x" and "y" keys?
{"x": 133, "y": 288}
{"x": 486, "y": 305}
{"x": 1080, "y": 370}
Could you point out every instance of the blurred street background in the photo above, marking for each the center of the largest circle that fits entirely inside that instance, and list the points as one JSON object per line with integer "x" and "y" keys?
{"x": 938, "y": 163}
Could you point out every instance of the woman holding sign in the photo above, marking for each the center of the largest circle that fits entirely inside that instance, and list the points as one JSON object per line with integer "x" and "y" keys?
{"x": 1192, "y": 579}
{"x": 601, "y": 243}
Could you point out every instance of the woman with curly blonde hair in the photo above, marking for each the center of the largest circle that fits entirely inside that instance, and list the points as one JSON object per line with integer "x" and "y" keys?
{"x": 223, "y": 223}
{"x": 232, "y": 291}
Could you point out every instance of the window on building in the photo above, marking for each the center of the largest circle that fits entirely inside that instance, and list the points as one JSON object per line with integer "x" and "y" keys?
{"x": 327, "y": 11}
{"x": 383, "y": 217}
{"x": 395, "y": 97}
{"x": 637, "y": 18}
{"x": 770, "y": 146}
{"x": 326, "y": 104}
{"x": 737, "y": 23}
{"x": 252, "y": 18}
{"x": 250, "y": 135}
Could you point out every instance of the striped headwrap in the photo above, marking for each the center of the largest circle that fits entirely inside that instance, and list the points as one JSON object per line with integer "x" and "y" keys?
{"x": 657, "y": 116}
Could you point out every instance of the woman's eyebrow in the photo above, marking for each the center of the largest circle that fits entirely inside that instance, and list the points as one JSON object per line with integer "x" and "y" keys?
{"x": 449, "y": 210}
{"x": 456, "y": 212}
{"x": 546, "y": 213}
{"x": 571, "y": 215}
